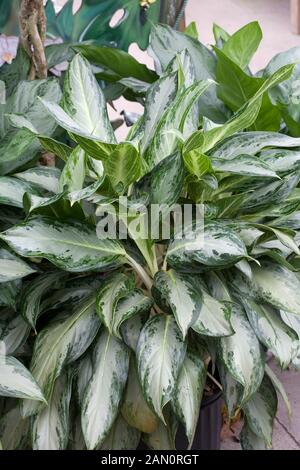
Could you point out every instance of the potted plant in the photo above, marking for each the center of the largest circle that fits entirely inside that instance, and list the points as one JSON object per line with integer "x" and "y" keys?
{"x": 116, "y": 315}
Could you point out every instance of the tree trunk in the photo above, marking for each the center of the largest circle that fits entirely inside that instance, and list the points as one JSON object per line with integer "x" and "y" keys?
{"x": 171, "y": 11}
{"x": 32, "y": 20}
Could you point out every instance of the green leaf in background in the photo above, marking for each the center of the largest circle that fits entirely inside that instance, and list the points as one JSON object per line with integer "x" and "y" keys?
{"x": 248, "y": 110}
{"x": 16, "y": 380}
{"x": 188, "y": 392}
{"x": 104, "y": 392}
{"x": 116, "y": 62}
{"x": 50, "y": 428}
{"x": 166, "y": 42}
{"x": 242, "y": 354}
{"x": 181, "y": 292}
{"x": 70, "y": 246}
{"x": 12, "y": 267}
{"x": 242, "y": 45}
{"x": 236, "y": 87}
{"x": 160, "y": 353}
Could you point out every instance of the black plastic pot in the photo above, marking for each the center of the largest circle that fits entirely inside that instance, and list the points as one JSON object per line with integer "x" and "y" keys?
{"x": 208, "y": 432}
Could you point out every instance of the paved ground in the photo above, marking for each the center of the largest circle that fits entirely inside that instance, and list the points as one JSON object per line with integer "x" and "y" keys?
{"x": 286, "y": 432}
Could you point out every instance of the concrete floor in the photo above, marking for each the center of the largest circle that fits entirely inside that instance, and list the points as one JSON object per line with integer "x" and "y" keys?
{"x": 286, "y": 434}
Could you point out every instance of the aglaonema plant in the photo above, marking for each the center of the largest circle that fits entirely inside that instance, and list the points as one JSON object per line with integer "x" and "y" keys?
{"x": 113, "y": 319}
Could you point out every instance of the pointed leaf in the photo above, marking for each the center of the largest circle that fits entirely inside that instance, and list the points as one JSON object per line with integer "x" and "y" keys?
{"x": 160, "y": 353}
{"x": 104, "y": 392}
{"x": 61, "y": 343}
{"x": 71, "y": 246}
{"x": 135, "y": 409}
{"x": 214, "y": 317}
{"x": 16, "y": 380}
{"x": 30, "y": 302}
{"x": 50, "y": 428}
{"x": 181, "y": 292}
{"x": 281, "y": 340}
{"x": 242, "y": 354}
{"x": 188, "y": 392}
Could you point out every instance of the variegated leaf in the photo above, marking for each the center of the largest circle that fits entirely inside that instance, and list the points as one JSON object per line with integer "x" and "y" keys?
{"x": 214, "y": 317}
{"x": 12, "y": 191}
{"x": 61, "y": 343}
{"x": 135, "y": 409}
{"x": 104, "y": 392}
{"x": 14, "y": 333}
{"x": 44, "y": 177}
{"x": 210, "y": 245}
{"x": 281, "y": 340}
{"x": 182, "y": 294}
{"x": 278, "y": 286}
{"x": 122, "y": 436}
{"x": 164, "y": 436}
{"x": 159, "y": 97}
{"x": 250, "y": 143}
{"x": 12, "y": 267}
{"x": 50, "y": 427}
{"x": 279, "y": 389}
{"x": 242, "y": 354}
{"x": 17, "y": 381}
{"x": 30, "y": 302}
{"x": 73, "y": 174}
{"x": 131, "y": 330}
{"x": 132, "y": 304}
{"x": 14, "y": 430}
{"x": 160, "y": 353}
{"x": 232, "y": 390}
{"x": 71, "y": 246}
{"x": 174, "y": 118}
{"x": 84, "y": 374}
{"x": 84, "y": 101}
{"x": 188, "y": 392}
{"x": 261, "y": 410}
{"x": 113, "y": 289}
{"x": 244, "y": 165}
{"x": 249, "y": 440}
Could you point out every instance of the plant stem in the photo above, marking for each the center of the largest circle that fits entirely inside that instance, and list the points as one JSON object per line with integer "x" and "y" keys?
{"x": 215, "y": 381}
{"x": 141, "y": 272}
